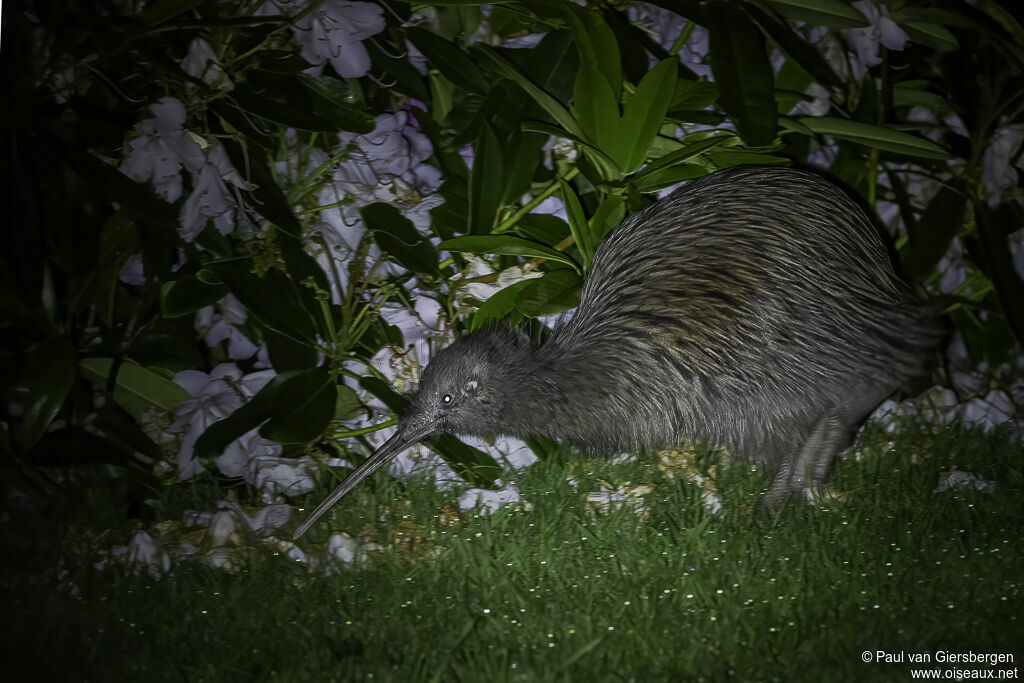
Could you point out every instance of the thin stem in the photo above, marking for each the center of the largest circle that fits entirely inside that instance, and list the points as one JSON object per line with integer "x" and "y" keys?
{"x": 677, "y": 45}
{"x": 511, "y": 221}
{"x": 366, "y": 430}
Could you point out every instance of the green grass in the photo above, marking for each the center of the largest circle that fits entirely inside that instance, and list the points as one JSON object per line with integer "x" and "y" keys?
{"x": 558, "y": 592}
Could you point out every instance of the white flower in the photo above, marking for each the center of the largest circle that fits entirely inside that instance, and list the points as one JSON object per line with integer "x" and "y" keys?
{"x": 222, "y": 525}
{"x": 333, "y": 32}
{"x": 416, "y": 58}
{"x": 952, "y": 267}
{"x": 384, "y": 165}
{"x": 202, "y": 62}
{"x": 134, "y": 272}
{"x": 956, "y": 479}
{"x": 234, "y": 461}
{"x": 819, "y": 106}
{"x": 865, "y": 41}
{"x": 211, "y": 197}
{"x": 994, "y": 409}
{"x": 269, "y": 518}
{"x": 999, "y": 174}
{"x": 489, "y": 500}
{"x": 220, "y": 323}
{"x": 1016, "y": 241}
{"x": 468, "y": 296}
{"x": 415, "y": 324}
{"x": 214, "y": 397}
{"x": 142, "y": 552}
{"x": 344, "y": 550}
{"x": 160, "y": 147}
{"x": 393, "y": 147}
{"x": 231, "y": 514}
{"x": 275, "y": 475}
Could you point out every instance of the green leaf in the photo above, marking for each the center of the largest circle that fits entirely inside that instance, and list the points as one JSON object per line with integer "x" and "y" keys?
{"x": 929, "y": 237}
{"x": 171, "y": 352}
{"x": 282, "y": 312}
{"x": 118, "y": 425}
{"x": 645, "y": 112}
{"x": 915, "y": 94}
{"x": 597, "y": 45}
{"x": 287, "y": 111}
{"x": 303, "y": 268}
{"x": 249, "y": 416}
{"x": 407, "y": 80}
{"x": 333, "y": 99}
{"x": 596, "y": 108}
{"x": 315, "y": 103}
{"x": 398, "y": 237}
{"x": 135, "y": 198}
{"x": 118, "y": 241}
{"x": 932, "y": 35}
{"x": 609, "y": 167}
{"x": 557, "y": 291}
{"x": 726, "y": 158}
{"x": 609, "y": 214}
{"x": 395, "y": 402}
{"x": 694, "y": 95}
{"x": 552, "y": 106}
{"x": 506, "y": 245}
{"x": 268, "y": 194}
{"x": 485, "y": 182}
{"x": 472, "y": 464}
{"x": 188, "y": 294}
{"x": 287, "y": 354}
{"x": 303, "y": 407}
{"x": 877, "y": 136}
{"x": 830, "y": 13}
{"x": 347, "y": 405}
{"x": 523, "y": 154}
{"x": 577, "y": 222}
{"x": 449, "y": 59}
{"x": 743, "y": 74}
{"x": 992, "y": 252}
{"x": 543, "y": 228}
{"x": 684, "y": 153}
{"x": 137, "y": 388}
{"x": 499, "y": 306}
{"x": 666, "y": 177}
{"x": 49, "y": 375}
{"x": 796, "y": 49}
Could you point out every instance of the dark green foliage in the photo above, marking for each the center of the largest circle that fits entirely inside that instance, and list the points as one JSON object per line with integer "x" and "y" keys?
{"x": 79, "y": 81}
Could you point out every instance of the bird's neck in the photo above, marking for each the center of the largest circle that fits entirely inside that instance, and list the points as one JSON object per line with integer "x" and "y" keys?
{"x": 539, "y": 400}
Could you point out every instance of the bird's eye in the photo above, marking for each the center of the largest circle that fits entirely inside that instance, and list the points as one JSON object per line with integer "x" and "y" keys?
{"x": 447, "y": 398}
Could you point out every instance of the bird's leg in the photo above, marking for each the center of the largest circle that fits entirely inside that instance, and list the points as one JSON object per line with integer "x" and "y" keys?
{"x": 803, "y": 463}
{"x": 808, "y": 465}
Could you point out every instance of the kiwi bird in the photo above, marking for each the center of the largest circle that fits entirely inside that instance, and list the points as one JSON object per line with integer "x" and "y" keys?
{"x": 755, "y": 308}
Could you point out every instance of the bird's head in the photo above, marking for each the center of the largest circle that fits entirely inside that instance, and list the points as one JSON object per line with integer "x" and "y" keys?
{"x": 463, "y": 388}
{"x": 461, "y": 392}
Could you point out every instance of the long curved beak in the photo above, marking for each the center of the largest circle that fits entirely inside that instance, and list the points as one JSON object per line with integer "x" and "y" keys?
{"x": 399, "y": 441}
